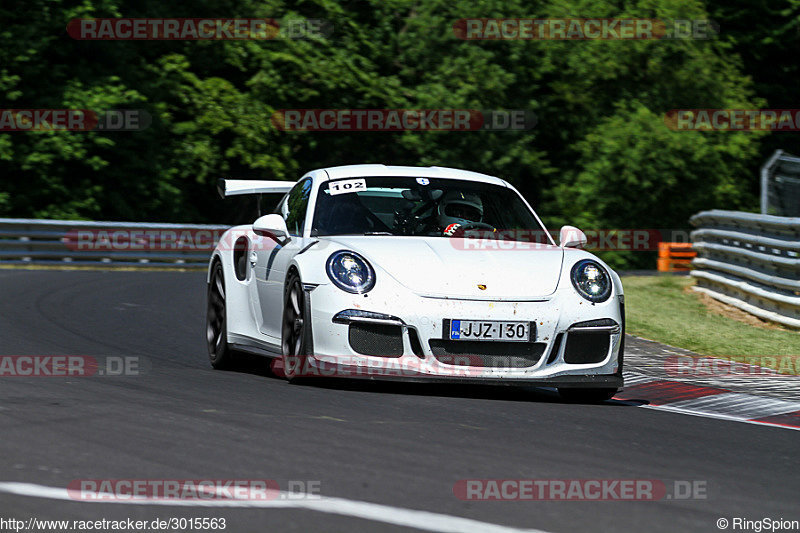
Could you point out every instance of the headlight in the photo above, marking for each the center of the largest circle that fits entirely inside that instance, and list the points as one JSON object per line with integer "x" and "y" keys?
{"x": 591, "y": 280}
{"x": 350, "y": 272}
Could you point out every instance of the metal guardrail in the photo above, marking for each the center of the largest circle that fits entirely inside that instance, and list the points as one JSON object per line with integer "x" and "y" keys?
{"x": 133, "y": 244}
{"x": 750, "y": 261}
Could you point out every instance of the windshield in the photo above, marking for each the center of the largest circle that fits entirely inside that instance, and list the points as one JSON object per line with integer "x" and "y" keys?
{"x": 422, "y": 207}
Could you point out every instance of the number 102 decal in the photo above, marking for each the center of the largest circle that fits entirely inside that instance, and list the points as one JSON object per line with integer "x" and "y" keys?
{"x": 343, "y": 186}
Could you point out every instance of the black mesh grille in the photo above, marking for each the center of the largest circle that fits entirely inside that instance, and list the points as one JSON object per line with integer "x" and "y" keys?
{"x": 586, "y": 347}
{"x": 376, "y": 339}
{"x": 487, "y": 354}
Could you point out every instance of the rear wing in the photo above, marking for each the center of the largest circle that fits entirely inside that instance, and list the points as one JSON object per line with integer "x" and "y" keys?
{"x": 227, "y": 187}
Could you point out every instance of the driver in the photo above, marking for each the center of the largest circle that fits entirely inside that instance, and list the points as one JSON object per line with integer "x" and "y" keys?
{"x": 458, "y": 209}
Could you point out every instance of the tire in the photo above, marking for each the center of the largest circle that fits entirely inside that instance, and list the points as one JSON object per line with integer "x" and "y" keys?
{"x": 219, "y": 353}
{"x": 296, "y": 339}
{"x": 580, "y": 395}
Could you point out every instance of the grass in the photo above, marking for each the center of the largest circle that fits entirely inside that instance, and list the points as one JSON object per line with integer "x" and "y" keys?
{"x": 660, "y": 309}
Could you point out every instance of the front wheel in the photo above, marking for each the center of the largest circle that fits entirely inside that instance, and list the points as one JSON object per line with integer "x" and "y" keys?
{"x": 219, "y": 352}
{"x": 296, "y": 340}
{"x": 580, "y": 395}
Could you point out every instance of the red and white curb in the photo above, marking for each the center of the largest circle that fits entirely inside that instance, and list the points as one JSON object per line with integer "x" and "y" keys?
{"x": 712, "y": 402}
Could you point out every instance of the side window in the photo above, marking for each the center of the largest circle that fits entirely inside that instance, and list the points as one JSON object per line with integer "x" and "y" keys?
{"x": 295, "y": 206}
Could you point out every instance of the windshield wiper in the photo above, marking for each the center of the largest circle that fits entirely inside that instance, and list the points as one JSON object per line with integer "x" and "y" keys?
{"x": 379, "y": 233}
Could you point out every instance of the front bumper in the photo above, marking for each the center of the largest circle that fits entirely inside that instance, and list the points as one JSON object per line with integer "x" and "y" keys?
{"x": 422, "y": 317}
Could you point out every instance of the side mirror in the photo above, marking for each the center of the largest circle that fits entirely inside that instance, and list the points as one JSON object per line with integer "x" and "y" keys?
{"x": 571, "y": 237}
{"x": 272, "y": 226}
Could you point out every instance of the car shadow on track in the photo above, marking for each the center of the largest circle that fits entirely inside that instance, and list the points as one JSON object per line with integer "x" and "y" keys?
{"x": 256, "y": 365}
{"x": 471, "y": 391}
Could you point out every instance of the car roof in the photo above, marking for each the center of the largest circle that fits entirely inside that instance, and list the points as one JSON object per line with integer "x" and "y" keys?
{"x": 357, "y": 171}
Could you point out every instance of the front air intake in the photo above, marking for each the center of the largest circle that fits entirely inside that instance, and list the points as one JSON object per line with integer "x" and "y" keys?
{"x": 494, "y": 354}
{"x": 376, "y": 339}
{"x": 583, "y": 348}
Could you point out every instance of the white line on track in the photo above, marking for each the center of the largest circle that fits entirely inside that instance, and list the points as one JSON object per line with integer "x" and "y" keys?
{"x": 717, "y": 416}
{"x": 738, "y": 405}
{"x": 423, "y": 520}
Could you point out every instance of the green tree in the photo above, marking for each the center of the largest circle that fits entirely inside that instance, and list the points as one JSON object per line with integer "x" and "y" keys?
{"x": 600, "y": 154}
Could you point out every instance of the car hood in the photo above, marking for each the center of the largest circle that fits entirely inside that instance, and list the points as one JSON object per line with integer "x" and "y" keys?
{"x": 458, "y": 268}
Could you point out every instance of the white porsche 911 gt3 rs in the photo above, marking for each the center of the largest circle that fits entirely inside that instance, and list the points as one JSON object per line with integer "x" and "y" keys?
{"x": 435, "y": 274}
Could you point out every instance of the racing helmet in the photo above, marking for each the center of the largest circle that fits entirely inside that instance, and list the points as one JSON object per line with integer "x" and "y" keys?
{"x": 458, "y": 207}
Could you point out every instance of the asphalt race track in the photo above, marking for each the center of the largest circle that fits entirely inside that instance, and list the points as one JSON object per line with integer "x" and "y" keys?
{"x": 403, "y": 446}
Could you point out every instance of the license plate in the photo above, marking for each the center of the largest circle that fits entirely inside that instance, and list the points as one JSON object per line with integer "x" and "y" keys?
{"x": 488, "y": 330}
